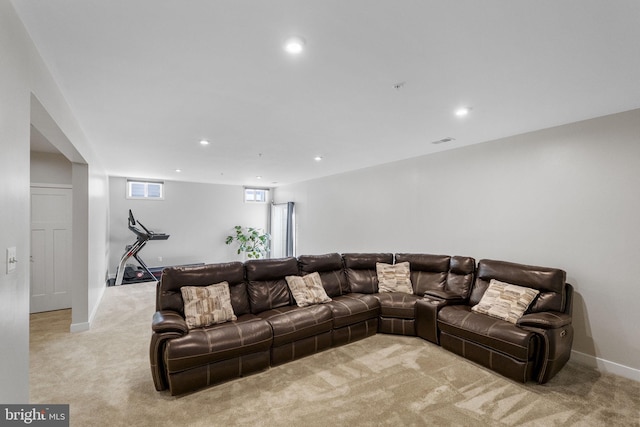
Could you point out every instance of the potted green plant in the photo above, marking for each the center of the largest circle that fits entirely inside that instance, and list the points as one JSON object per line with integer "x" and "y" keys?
{"x": 251, "y": 241}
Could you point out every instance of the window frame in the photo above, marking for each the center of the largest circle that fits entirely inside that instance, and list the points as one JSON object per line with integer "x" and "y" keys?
{"x": 146, "y": 183}
{"x": 262, "y": 190}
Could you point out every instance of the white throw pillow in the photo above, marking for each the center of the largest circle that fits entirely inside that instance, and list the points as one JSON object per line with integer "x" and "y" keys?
{"x": 207, "y": 305}
{"x": 394, "y": 278}
{"x": 307, "y": 290}
{"x": 505, "y": 301}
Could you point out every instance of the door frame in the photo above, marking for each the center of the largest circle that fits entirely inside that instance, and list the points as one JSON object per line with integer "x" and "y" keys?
{"x": 70, "y": 250}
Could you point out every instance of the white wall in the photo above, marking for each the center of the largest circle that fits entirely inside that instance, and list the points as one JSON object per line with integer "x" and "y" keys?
{"x": 564, "y": 197}
{"x": 50, "y": 168}
{"x": 14, "y": 208}
{"x": 29, "y": 94}
{"x": 197, "y": 217}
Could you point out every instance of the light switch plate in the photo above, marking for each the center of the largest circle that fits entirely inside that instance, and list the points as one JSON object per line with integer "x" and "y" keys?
{"x": 11, "y": 259}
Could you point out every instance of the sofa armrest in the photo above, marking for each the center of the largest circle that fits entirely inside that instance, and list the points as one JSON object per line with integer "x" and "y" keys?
{"x": 449, "y": 297}
{"x": 545, "y": 320}
{"x": 556, "y": 332}
{"x": 427, "y": 310}
{"x": 166, "y": 325}
{"x": 169, "y": 321}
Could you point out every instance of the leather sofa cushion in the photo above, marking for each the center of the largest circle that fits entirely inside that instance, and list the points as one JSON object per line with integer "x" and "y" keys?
{"x": 461, "y": 274}
{"x": 271, "y": 269}
{"x": 427, "y": 271}
{"x": 168, "y": 296}
{"x": 549, "y": 281}
{"x": 440, "y": 272}
{"x": 361, "y": 271}
{"x": 545, "y": 320}
{"x": 267, "y": 288}
{"x": 353, "y": 308}
{"x": 319, "y": 263}
{"x": 201, "y": 346}
{"x": 334, "y": 282}
{"x": 426, "y": 262}
{"x": 460, "y": 321}
{"x": 331, "y": 271}
{"x": 269, "y": 294}
{"x": 397, "y": 304}
{"x": 293, "y": 323}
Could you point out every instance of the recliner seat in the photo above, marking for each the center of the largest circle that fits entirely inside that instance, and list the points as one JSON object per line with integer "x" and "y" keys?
{"x": 184, "y": 360}
{"x": 355, "y": 315}
{"x": 297, "y": 331}
{"x": 531, "y": 349}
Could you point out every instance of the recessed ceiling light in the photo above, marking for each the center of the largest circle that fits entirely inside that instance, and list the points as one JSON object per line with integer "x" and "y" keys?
{"x": 317, "y": 158}
{"x": 461, "y": 112}
{"x": 204, "y": 142}
{"x": 178, "y": 170}
{"x": 294, "y": 45}
{"x": 258, "y": 177}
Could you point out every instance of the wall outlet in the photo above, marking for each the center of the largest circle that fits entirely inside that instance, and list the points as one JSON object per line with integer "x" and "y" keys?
{"x": 159, "y": 259}
{"x": 11, "y": 259}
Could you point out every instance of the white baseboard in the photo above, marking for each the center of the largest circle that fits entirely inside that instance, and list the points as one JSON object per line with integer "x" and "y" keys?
{"x": 85, "y": 326}
{"x": 606, "y": 366}
{"x": 79, "y": 327}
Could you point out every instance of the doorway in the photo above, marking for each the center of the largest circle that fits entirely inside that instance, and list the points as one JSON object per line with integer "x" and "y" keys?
{"x": 46, "y": 136}
{"x": 50, "y": 261}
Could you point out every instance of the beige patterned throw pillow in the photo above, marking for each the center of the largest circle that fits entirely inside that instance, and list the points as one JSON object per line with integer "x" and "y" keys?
{"x": 394, "y": 278}
{"x": 505, "y": 301}
{"x": 207, "y": 305}
{"x": 307, "y": 290}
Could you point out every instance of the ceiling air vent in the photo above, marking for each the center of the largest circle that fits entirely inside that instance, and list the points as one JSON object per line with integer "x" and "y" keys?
{"x": 443, "y": 140}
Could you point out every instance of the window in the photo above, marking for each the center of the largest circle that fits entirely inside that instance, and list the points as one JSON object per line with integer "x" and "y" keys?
{"x": 149, "y": 190}
{"x": 256, "y": 195}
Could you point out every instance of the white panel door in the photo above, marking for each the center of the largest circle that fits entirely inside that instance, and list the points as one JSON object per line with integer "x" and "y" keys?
{"x": 50, "y": 249}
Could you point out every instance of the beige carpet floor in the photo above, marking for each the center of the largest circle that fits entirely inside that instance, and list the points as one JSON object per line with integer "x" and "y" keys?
{"x": 383, "y": 380}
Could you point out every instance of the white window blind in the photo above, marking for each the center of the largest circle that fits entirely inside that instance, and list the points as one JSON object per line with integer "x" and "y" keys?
{"x": 256, "y": 195}
{"x": 150, "y": 190}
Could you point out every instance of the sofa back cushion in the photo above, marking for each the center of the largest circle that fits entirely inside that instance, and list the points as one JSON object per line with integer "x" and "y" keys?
{"x": 462, "y": 271}
{"x": 361, "y": 270}
{"x": 549, "y": 281}
{"x": 439, "y": 272}
{"x": 266, "y": 284}
{"x": 331, "y": 271}
{"x": 428, "y": 272}
{"x": 169, "y": 297}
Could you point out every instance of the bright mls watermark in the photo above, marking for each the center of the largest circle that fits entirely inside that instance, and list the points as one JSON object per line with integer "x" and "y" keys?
{"x": 34, "y": 415}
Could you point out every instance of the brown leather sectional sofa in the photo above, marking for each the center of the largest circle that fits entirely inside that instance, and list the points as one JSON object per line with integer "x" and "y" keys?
{"x": 271, "y": 329}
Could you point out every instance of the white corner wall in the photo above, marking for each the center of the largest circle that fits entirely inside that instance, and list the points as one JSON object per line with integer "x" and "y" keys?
{"x": 27, "y": 89}
{"x": 50, "y": 169}
{"x": 14, "y": 207}
{"x": 563, "y": 197}
{"x": 197, "y": 217}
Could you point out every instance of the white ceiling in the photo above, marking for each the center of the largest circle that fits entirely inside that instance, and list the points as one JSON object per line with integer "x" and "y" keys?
{"x": 147, "y": 79}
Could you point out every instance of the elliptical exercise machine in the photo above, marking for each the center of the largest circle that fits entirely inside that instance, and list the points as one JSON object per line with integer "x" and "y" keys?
{"x": 142, "y": 237}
